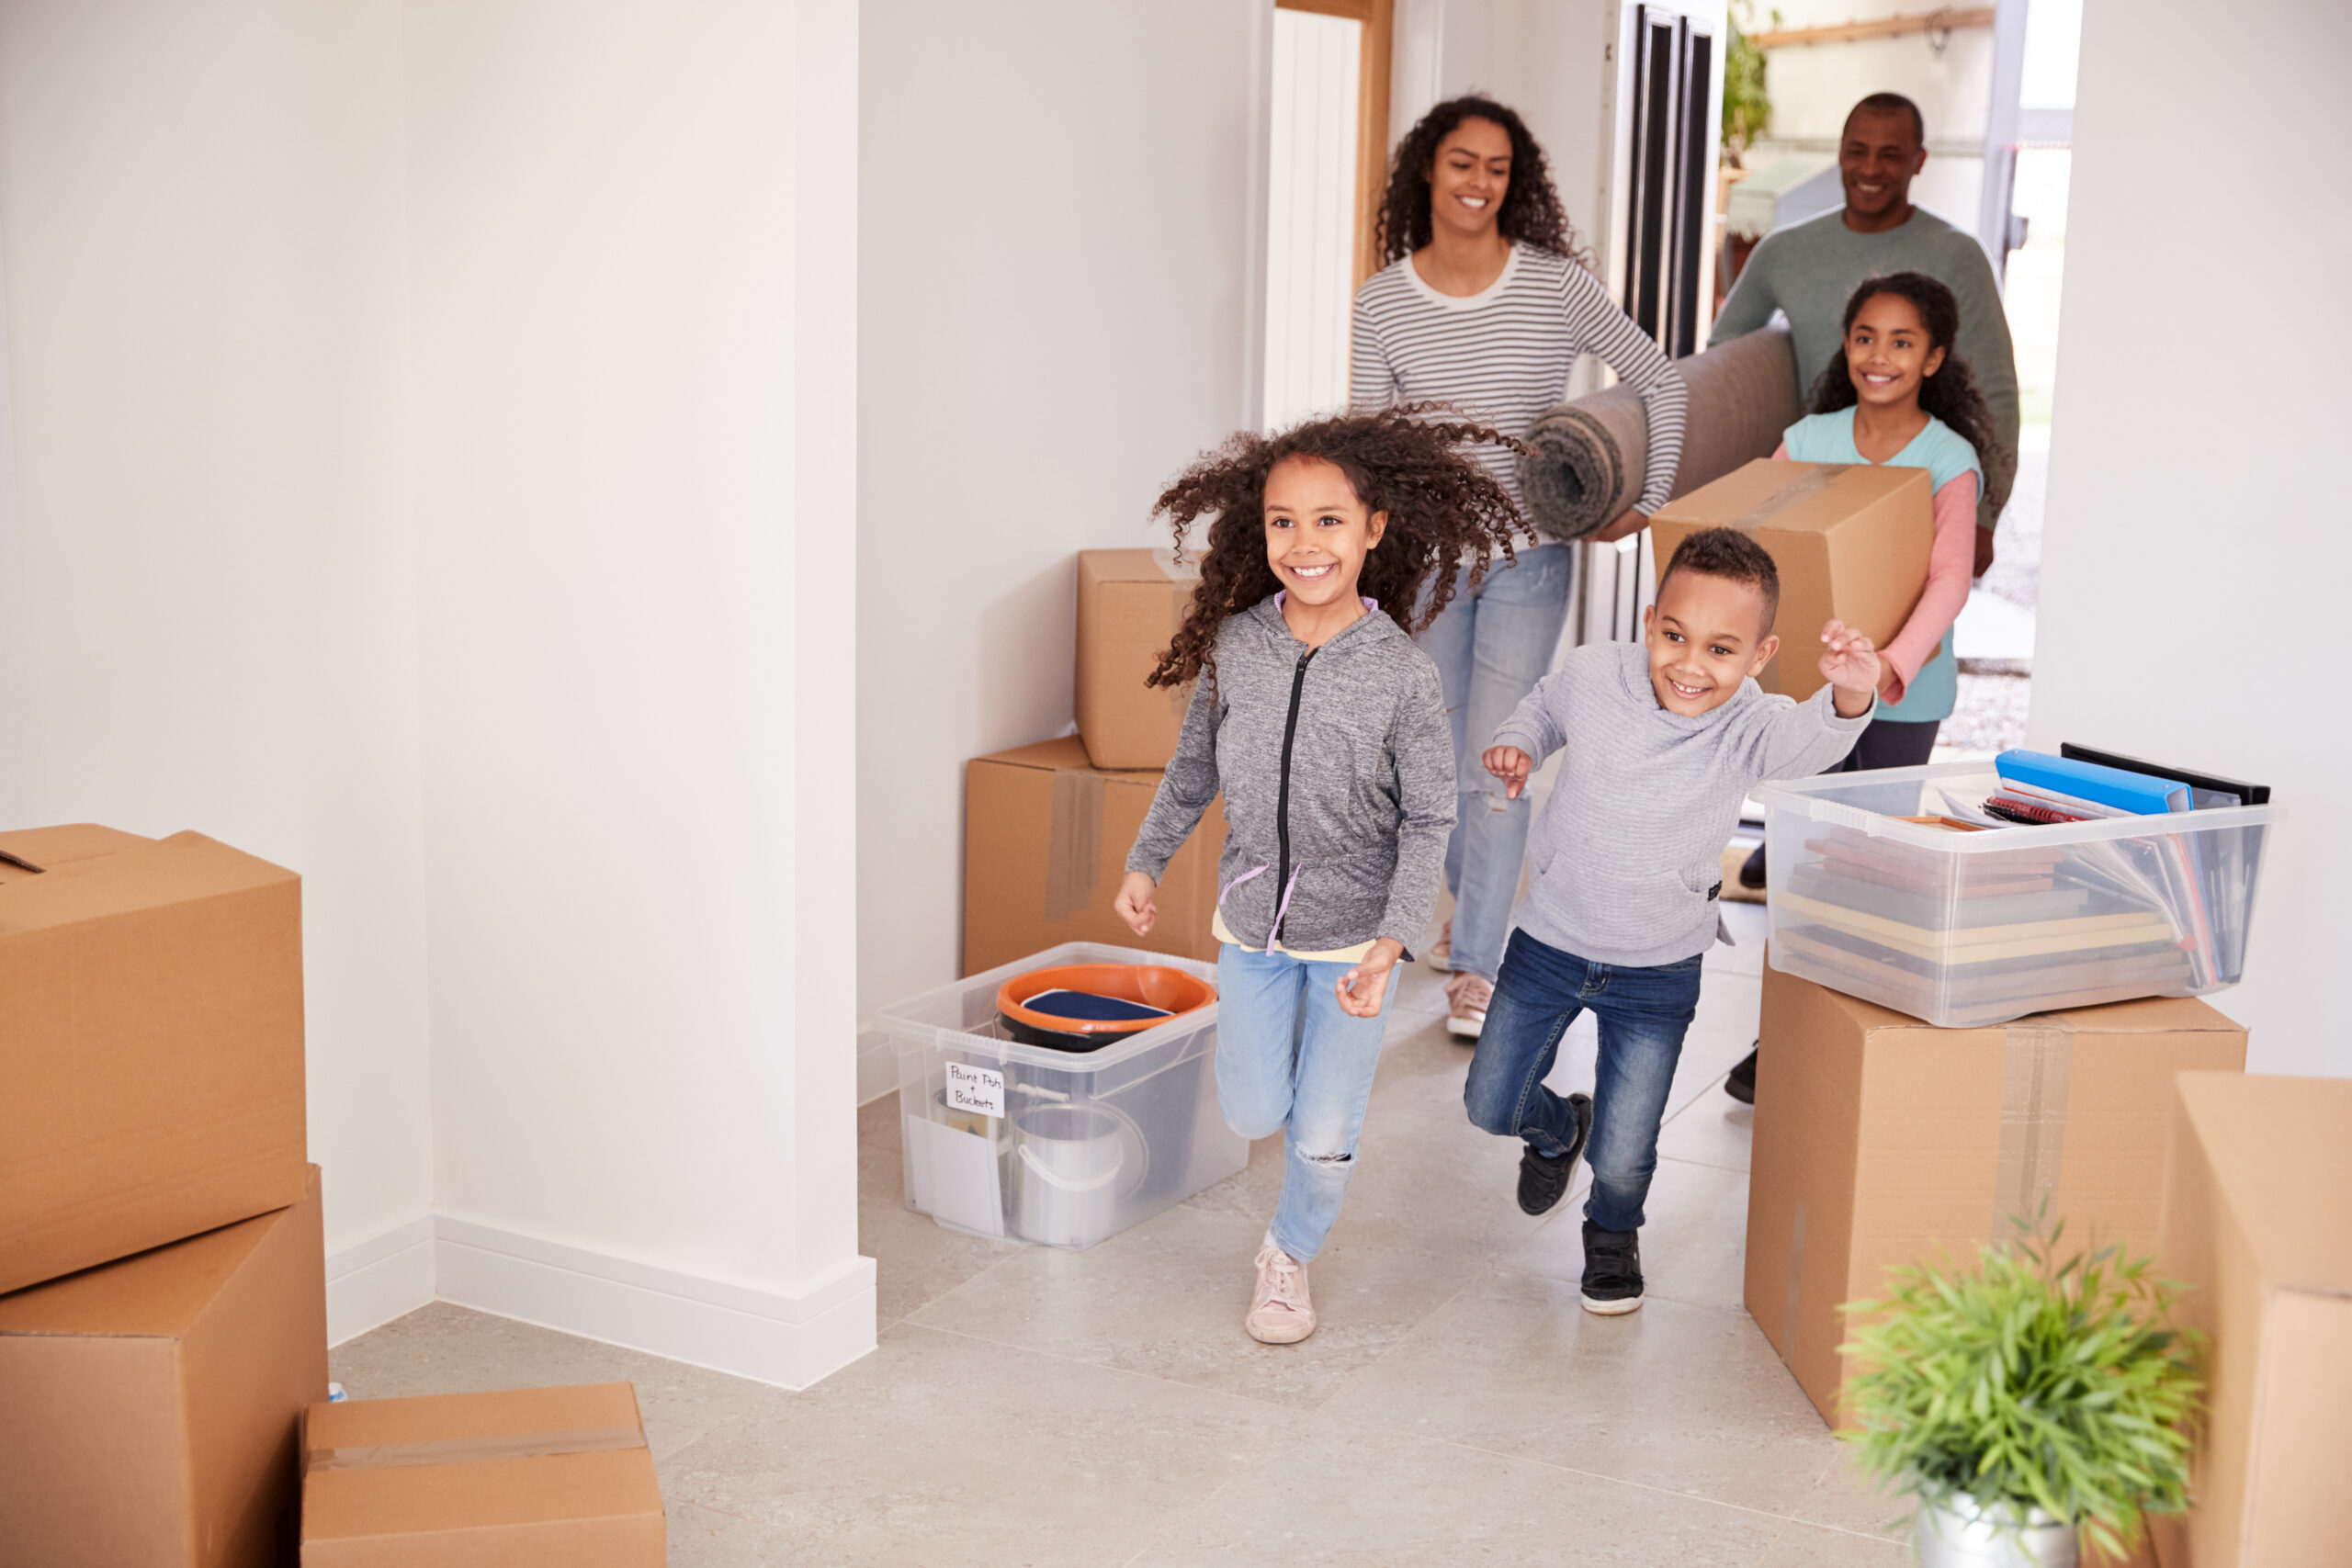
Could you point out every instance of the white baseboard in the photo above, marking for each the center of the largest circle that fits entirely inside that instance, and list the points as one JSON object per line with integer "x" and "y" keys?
{"x": 789, "y": 1340}
{"x": 387, "y": 1276}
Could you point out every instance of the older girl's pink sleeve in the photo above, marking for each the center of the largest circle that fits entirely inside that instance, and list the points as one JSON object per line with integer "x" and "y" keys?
{"x": 1950, "y": 558}
{"x": 1780, "y": 454}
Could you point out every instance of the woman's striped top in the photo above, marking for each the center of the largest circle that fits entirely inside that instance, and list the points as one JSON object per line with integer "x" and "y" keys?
{"x": 1504, "y": 354}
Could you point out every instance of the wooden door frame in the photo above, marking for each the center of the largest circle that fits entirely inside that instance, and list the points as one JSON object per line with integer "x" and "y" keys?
{"x": 1379, "y": 20}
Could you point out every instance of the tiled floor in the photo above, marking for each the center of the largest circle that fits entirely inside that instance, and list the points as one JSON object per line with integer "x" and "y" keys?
{"x": 1030, "y": 1406}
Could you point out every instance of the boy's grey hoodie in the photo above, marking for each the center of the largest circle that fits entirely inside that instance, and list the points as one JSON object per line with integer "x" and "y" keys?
{"x": 1338, "y": 772}
{"x": 1626, "y": 864}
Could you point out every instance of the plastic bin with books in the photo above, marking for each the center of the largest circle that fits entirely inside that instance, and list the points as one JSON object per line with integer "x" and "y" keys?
{"x": 1973, "y": 893}
{"x": 1016, "y": 1127}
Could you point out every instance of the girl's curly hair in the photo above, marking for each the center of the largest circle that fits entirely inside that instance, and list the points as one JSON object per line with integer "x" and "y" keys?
{"x": 1951, "y": 394}
{"x": 1531, "y": 212}
{"x": 1443, "y": 510}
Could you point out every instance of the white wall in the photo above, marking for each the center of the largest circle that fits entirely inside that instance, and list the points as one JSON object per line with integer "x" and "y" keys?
{"x": 436, "y": 450}
{"x": 637, "y": 619}
{"x": 1056, "y": 267}
{"x": 201, "y": 213}
{"x": 2196, "y": 544}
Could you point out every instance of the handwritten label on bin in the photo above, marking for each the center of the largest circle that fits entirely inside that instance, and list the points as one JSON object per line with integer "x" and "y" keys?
{"x": 979, "y": 1089}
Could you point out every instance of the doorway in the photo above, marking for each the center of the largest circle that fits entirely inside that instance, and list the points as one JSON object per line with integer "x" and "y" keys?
{"x": 1328, "y": 160}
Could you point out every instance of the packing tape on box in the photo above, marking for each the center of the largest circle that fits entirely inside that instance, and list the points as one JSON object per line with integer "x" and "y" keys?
{"x": 1811, "y": 482}
{"x": 1180, "y": 568}
{"x": 1073, "y": 842}
{"x": 2038, "y": 1061}
{"x": 2036, "y": 1065}
{"x": 473, "y": 1451}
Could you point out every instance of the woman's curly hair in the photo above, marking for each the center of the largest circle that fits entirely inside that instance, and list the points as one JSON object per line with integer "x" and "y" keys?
{"x": 1951, "y": 394}
{"x": 1444, "y": 510}
{"x": 1530, "y": 213}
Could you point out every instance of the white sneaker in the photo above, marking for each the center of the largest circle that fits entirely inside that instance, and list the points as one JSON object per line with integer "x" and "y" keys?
{"x": 1441, "y": 952}
{"x": 1281, "y": 1312}
{"x": 1466, "y": 998}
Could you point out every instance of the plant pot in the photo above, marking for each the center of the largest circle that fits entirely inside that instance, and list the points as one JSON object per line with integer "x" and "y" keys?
{"x": 1960, "y": 1534}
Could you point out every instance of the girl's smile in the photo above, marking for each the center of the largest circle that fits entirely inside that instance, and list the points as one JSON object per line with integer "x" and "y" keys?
{"x": 1317, "y": 533}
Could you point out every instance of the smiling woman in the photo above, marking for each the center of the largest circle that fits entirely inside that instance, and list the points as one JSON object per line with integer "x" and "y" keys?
{"x": 1485, "y": 305}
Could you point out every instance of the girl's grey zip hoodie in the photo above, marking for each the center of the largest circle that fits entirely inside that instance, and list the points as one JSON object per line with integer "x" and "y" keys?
{"x": 1338, "y": 772}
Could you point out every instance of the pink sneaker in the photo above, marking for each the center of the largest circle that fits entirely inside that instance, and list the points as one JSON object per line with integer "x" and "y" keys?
{"x": 1441, "y": 952}
{"x": 1281, "y": 1312}
{"x": 1466, "y": 999}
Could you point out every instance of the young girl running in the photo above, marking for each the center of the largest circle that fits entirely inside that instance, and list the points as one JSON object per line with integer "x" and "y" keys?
{"x": 1899, "y": 395}
{"x": 1325, "y": 726}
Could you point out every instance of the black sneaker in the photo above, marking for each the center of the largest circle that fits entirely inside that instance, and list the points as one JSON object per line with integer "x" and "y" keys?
{"x": 1740, "y": 1082}
{"x": 1543, "y": 1178}
{"x": 1612, "y": 1270}
{"x": 1751, "y": 870}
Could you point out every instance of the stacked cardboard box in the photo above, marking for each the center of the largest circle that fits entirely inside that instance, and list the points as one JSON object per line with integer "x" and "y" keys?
{"x": 542, "y": 1475}
{"x": 1046, "y": 828}
{"x": 1883, "y": 1140}
{"x": 2258, "y": 1224}
{"x": 160, "y": 1242}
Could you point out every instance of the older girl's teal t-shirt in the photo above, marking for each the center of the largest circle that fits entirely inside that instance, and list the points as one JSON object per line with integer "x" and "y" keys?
{"x": 1946, "y": 455}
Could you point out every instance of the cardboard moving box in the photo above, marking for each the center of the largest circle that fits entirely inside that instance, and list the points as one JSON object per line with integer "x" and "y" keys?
{"x": 1045, "y": 842}
{"x": 1883, "y": 1140}
{"x": 153, "y": 1045}
{"x": 148, "y": 1407}
{"x": 2258, "y": 1224}
{"x": 1849, "y": 540}
{"x": 1129, "y": 604}
{"x": 545, "y": 1477}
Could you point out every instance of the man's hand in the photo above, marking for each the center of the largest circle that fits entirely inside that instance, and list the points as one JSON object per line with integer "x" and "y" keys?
{"x": 1983, "y": 552}
{"x": 1133, "y": 903}
{"x": 1363, "y": 989}
{"x": 1511, "y": 765}
{"x": 1852, "y": 668}
{"x": 1625, "y": 528}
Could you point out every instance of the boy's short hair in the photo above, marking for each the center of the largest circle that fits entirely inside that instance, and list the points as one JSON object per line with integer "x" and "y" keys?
{"x": 1894, "y": 103}
{"x": 1730, "y": 554}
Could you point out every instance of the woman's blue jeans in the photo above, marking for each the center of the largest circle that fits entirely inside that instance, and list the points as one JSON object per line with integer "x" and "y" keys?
{"x": 1491, "y": 647}
{"x": 1643, "y": 1014}
{"x": 1289, "y": 1059}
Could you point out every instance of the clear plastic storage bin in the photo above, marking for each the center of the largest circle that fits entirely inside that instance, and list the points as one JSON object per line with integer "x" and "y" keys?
{"x": 1963, "y": 929}
{"x": 1059, "y": 1148}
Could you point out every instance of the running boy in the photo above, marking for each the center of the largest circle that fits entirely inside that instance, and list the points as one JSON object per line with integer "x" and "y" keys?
{"x": 1669, "y": 736}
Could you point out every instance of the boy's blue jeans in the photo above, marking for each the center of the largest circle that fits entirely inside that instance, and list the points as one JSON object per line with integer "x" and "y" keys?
{"x": 1289, "y": 1059}
{"x": 1643, "y": 1014}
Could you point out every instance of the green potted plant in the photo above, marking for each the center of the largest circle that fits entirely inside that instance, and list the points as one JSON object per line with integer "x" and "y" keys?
{"x": 2027, "y": 1402}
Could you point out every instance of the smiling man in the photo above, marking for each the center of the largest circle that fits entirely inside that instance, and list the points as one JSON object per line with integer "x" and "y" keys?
{"x": 1809, "y": 269}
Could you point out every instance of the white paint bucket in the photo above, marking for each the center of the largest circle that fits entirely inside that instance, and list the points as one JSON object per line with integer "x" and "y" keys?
{"x": 1067, "y": 1160}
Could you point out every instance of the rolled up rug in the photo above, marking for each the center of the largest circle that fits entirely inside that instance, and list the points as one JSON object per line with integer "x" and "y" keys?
{"x": 1588, "y": 456}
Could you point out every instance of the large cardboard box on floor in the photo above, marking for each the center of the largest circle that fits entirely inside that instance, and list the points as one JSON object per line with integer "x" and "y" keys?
{"x": 152, "y": 1049}
{"x": 1129, "y": 604}
{"x": 2258, "y": 1224}
{"x": 1881, "y": 1140}
{"x": 1849, "y": 540}
{"x": 1045, "y": 842}
{"x": 148, "y": 1406}
{"x": 530, "y": 1478}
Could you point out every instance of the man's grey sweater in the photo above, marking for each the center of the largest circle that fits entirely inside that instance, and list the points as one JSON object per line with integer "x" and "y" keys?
{"x": 1336, "y": 767}
{"x": 1810, "y": 269}
{"x": 1625, "y": 862}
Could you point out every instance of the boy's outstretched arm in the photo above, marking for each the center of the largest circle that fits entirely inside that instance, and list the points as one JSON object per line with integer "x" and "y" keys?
{"x": 1818, "y": 732}
{"x": 1532, "y": 733}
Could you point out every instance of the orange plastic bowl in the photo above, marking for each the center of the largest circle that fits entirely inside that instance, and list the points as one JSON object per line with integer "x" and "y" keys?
{"x": 1152, "y": 985}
